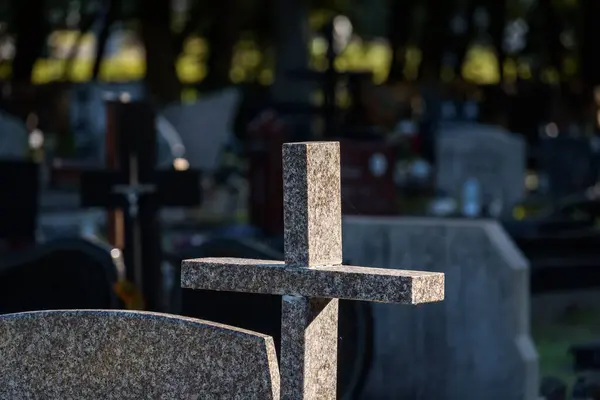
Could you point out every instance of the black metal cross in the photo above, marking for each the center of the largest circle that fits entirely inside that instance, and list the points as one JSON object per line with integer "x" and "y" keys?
{"x": 134, "y": 190}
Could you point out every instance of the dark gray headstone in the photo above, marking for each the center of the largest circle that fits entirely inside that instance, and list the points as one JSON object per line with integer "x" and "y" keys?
{"x": 132, "y": 355}
{"x": 570, "y": 164}
{"x": 13, "y": 138}
{"x": 69, "y": 273}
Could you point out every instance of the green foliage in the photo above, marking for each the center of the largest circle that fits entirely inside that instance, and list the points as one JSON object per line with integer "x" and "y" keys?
{"x": 371, "y": 19}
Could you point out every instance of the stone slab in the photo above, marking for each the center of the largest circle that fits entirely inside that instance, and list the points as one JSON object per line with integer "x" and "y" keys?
{"x": 340, "y": 281}
{"x": 312, "y": 215}
{"x": 205, "y": 126}
{"x": 132, "y": 355}
{"x": 476, "y": 344}
{"x": 309, "y": 349}
{"x": 13, "y": 138}
{"x": 490, "y": 154}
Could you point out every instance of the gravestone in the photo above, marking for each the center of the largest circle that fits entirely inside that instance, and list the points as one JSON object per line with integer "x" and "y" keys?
{"x": 61, "y": 274}
{"x": 19, "y": 201}
{"x": 87, "y": 115}
{"x": 476, "y": 344}
{"x": 312, "y": 278}
{"x": 571, "y": 164}
{"x": 205, "y": 126}
{"x": 13, "y": 138}
{"x": 132, "y": 355}
{"x": 492, "y": 155}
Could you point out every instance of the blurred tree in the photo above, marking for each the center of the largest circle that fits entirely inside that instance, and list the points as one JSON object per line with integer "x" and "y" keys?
{"x": 399, "y": 32}
{"x": 110, "y": 13}
{"x": 86, "y": 22}
{"x": 161, "y": 54}
{"x": 222, "y": 35}
{"x": 552, "y": 28}
{"x": 498, "y": 19}
{"x": 589, "y": 38}
{"x": 436, "y": 38}
{"x": 28, "y": 21}
{"x": 463, "y": 32}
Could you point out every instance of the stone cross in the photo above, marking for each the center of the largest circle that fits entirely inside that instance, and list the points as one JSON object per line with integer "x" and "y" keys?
{"x": 312, "y": 278}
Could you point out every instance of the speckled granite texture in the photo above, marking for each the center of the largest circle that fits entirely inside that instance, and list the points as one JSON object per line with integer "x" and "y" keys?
{"x": 76, "y": 355}
{"x": 309, "y": 348}
{"x": 312, "y": 278}
{"x": 340, "y": 281}
{"x": 312, "y": 203}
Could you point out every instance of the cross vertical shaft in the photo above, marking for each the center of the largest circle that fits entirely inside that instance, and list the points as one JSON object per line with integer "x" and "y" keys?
{"x": 312, "y": 210}
{"x": 309, "y": 339}
{"x": 312, "y": 237}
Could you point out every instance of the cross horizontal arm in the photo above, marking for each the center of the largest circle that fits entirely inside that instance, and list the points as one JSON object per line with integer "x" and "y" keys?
{"x": 340, "y": 281}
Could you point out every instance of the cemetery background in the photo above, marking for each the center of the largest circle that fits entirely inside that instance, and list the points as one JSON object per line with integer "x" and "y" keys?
{"x": 428, "y": 123}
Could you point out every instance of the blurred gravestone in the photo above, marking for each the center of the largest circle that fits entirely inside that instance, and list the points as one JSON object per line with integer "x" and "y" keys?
{"x": 61, "y": 274}
{"x": 205, "y": 126}
{"x": 476, "y": 344}
{"x": 88, "y": 113}
{"x": 13, "y": 137}
{"x": 19, "y": 200}
{"x": 88, "y": 117}
{"x": 571, "y": 164}
{"x": 492, "y": 155}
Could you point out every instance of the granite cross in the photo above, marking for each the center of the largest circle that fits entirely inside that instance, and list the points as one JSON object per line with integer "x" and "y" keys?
{"x": 134, "y": 185}
{"x": 312, "y": 278}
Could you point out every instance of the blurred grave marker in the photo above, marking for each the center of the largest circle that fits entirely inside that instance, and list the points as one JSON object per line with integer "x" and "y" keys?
{"x": 205, "y": 127}
{"x": 571, "y": 164}
{"x": 492, "y": 155}
{"x": 134, "y": 191}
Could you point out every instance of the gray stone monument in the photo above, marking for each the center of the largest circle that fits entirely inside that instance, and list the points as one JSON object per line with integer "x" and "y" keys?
{"x": 13, "y": 138}
{"x": 205, "y": 126}
{"x": 492, "y": 155}
{"x": 476, "y": 344}
{"x": 312, "y": 278}
{"x": 68, "y": 355}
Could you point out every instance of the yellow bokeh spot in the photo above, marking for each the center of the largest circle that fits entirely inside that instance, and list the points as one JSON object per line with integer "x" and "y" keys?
{"x": 570, "y": 66}
{"x": 447, "y": 74}
{"x": 519, "y": 213}
{"x": 341, "y": 64}
{"x": 320, "y": 64}
{"x": 265, "y": 77}
{"x": 510, "y": 70}
{"x": 481, "y": 66}
{"x": 343, "y": 99}
{"x": 189, "y": 95}
{"x": 237, "y": 74}
{"x": 318, "y": 98}
{"x": 195, "y": 46}
{"x": 524, "y": 71}
{"x": 251, "y": 63}
{"x": 318, "y": 46}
